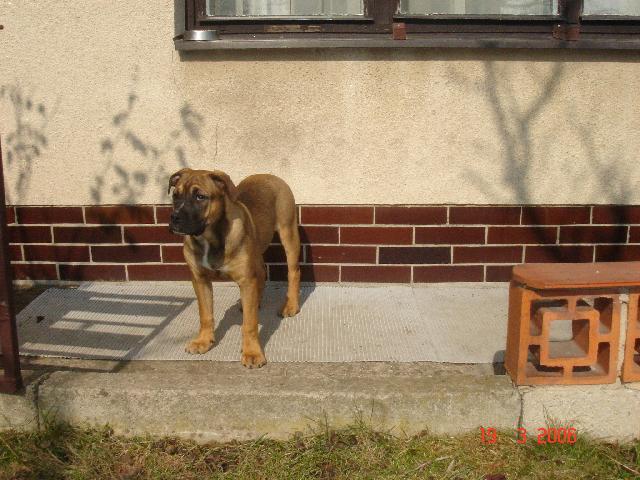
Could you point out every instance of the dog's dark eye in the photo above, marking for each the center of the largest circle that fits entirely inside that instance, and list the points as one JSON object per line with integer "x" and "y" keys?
{"x": 200, "y": 197}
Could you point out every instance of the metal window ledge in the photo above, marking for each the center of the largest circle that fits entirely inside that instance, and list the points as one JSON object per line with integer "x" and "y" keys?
{"x": 440, "y": 40}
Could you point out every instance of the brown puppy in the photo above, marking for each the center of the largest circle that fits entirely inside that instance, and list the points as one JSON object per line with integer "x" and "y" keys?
{"x": 227, "y": 229}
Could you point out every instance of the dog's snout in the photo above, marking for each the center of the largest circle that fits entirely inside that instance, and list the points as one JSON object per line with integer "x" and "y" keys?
{"x": 174, "y": 217}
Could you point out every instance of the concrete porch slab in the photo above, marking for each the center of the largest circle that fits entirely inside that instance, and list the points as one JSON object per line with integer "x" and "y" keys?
{"x": 223, "y": 401}
{"x": 457, "y": 323}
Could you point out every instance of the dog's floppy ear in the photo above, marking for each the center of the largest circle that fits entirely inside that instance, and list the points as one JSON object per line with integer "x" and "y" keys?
{"x": 224, "y": 182}
{"x": 173, "y": 179}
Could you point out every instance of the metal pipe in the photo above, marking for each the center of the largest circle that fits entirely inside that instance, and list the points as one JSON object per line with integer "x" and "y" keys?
{"x": 12, "y": 380}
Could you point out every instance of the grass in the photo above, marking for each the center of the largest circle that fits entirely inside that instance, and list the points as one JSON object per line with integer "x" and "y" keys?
{"x": 63, "y": 452}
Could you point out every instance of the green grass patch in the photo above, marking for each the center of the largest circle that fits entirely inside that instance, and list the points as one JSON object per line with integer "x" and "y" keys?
{"x": 63, "y": 452}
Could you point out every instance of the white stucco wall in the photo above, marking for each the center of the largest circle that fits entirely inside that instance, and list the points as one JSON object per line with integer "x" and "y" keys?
{"x": 113, "y": 109}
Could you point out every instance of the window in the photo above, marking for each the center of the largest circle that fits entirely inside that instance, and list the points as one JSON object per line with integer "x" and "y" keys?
{"x": 611, "y": 24}
{"x": 612, "y": 7}
{"x": 239, "y": 8}
{"x": 479, "y": 7}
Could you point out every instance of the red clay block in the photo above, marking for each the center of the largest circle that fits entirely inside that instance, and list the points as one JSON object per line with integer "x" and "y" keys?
{"x": 499, "y": 273}
{"x": 311, "y": 234}
{"x": 151, "y": 234}
{"x": 490, "y": 215}
{"x": 336, "y": 215}
{"x": 15, "y": 253}
{"x": 616, "y": 214}
{"x": 120, "y": 214}
{"x": 556, "y": 215}
{"x": 276, "y": 254}
{"x": 172, "y": 254}
{"x": 376, "y": 235}
{"x": 375, "y": 273}
{"x": 450, "y": 235}
{"x": 22, "y": 234}
{"x": 108, "y": 234}
{"x": 487, "y": 254}
{"x": 523, "y": 235}
{"x": 634, "y": 235}
{"x": 609, "y": 234}
{"x": 395, "y": 215}
{"x": 49, "y": 215}
{"x": 340, "y": 254}
{"x": 415, "y": 255}
{"x": 57, "y": 253}
{"x": 308, "y": 273}
{"x": 34, "y": 271}
{"x": 535, "y": 355}
{"x": 163, "y": 214}
{"x": 631, "y": 364}
{"x": 126, "y": 253}
{"x": 158, "y": 272}
{"x": 448, "y": 273}
{"x": 92, "y": 272}
{"x": 29, "y": 234}
{"x": 617, "y": 253}
{"x": 558, "y": 254}
{"x": 11, "y": 215}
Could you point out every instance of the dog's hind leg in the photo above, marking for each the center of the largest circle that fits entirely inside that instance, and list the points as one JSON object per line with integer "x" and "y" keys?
{"x": 290, "y": 239}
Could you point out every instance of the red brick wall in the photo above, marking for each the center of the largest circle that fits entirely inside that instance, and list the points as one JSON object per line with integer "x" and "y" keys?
{"x": 340, "y": 243}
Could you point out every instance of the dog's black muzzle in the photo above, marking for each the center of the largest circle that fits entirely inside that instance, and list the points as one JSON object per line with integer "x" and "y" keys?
{"x": 185, "y": 226}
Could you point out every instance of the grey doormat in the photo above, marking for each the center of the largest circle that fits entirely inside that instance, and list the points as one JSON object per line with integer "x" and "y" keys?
{"x": 457, "y": 323}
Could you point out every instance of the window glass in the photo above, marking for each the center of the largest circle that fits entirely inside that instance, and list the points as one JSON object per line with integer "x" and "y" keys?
{"x": 238, "y": 8}
{"x": 612, "y": 7}
{"x": 479, "y": 7}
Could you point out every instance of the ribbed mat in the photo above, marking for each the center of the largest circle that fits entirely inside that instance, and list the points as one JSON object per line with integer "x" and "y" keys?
{"x": 154, "y": 321}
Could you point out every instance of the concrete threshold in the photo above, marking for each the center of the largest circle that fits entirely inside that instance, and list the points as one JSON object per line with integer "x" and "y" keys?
{"x": 223, "y": 401}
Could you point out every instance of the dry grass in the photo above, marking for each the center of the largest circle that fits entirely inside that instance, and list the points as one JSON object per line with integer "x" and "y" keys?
{"x": 358, "y": 451}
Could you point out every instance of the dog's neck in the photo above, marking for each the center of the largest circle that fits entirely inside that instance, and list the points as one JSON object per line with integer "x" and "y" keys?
{"x": 222, "y": 238}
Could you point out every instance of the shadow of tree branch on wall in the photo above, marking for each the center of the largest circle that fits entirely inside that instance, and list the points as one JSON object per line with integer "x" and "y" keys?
{"x": 124, "y": 147}
{"x": 515, "y": 126}
{"x": 28, "y": 140}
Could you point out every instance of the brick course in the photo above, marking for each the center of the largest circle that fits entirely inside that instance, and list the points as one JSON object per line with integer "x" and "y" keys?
{"x": 363, "y": 243}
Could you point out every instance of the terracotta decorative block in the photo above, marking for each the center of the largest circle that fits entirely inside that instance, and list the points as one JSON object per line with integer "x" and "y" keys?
{"x": 631, "y": 366}
{"x": 562, "y": 337}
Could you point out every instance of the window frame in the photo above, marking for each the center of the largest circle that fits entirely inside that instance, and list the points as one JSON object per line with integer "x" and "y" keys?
{"x": 382, "y": 26}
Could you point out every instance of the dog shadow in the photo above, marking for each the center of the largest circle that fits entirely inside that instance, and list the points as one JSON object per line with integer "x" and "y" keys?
{"x": 268, "y": 318}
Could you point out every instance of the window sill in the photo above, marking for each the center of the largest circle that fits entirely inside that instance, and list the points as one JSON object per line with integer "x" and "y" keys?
{"x": 440, "y": 40}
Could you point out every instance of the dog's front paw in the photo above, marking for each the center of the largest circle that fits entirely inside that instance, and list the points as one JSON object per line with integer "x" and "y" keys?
{"x": 253, "y": 360}
{"x": 199, "y": 346}
{"x": 289, "y": 309}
